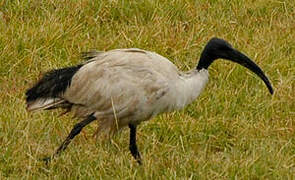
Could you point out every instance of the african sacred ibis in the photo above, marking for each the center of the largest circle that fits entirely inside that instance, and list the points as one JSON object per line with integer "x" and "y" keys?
{"x": 127, "y": 86}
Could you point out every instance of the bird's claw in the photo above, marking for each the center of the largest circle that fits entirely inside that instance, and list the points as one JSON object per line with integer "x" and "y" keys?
{"x": 139, "y": 162}
{"x": 46, "y": 160}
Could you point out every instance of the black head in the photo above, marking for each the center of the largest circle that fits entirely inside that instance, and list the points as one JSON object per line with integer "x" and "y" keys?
{"x": 219, "y": 48}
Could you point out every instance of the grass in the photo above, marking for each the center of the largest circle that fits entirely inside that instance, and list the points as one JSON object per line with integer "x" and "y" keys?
{"x": 234, "y": 130}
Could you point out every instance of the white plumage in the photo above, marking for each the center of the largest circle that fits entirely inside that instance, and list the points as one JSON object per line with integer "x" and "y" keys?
{"x": 131, "y": 84}
{"x": 127, "y": 86}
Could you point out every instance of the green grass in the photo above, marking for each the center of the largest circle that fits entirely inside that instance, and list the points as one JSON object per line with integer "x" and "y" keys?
{"x": 234, "y": 130}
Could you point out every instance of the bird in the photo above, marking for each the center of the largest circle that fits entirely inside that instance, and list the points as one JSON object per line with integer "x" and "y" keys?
{"x": 124, "y": 87}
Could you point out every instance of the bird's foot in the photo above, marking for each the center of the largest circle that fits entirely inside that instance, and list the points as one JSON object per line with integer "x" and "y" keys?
{"x": 139, "y": 161}
{"x": 47, "y": 159}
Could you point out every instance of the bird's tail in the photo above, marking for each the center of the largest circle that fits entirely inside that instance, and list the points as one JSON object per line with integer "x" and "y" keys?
{"x": 47, "y": 92}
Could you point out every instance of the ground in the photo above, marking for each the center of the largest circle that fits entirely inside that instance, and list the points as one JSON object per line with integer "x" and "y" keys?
{"x": 234, "y": 130}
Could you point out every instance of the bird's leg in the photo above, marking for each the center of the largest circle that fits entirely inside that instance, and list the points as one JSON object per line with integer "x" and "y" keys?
{"x": 132, "y": 146}
{"x": 75, "y": 131}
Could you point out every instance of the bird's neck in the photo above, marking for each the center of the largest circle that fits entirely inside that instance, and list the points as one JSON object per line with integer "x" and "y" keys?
{"x": 189, "y": 87}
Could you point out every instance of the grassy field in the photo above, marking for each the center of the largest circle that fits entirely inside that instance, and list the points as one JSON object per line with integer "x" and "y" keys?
{"x": 234, "y": 130}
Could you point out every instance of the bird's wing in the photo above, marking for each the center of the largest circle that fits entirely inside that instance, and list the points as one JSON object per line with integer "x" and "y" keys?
{"x": 121, "y": 81}
{"x": 88, "y": 56}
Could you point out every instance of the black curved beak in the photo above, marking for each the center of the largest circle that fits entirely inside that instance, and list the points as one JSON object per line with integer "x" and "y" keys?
{"x": 218, "y": 48}
{"x": 238, "y": 57}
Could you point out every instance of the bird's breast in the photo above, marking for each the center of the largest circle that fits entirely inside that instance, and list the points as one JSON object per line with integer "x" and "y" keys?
{"x": 186, "y": 89}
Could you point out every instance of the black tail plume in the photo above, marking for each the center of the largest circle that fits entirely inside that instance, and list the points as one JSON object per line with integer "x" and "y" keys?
{"x": 52, "y": 84}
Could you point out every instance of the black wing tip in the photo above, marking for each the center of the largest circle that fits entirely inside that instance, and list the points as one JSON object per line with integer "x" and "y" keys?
{"x": 52, "y": 84}
{"x": 30, "y": 95}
